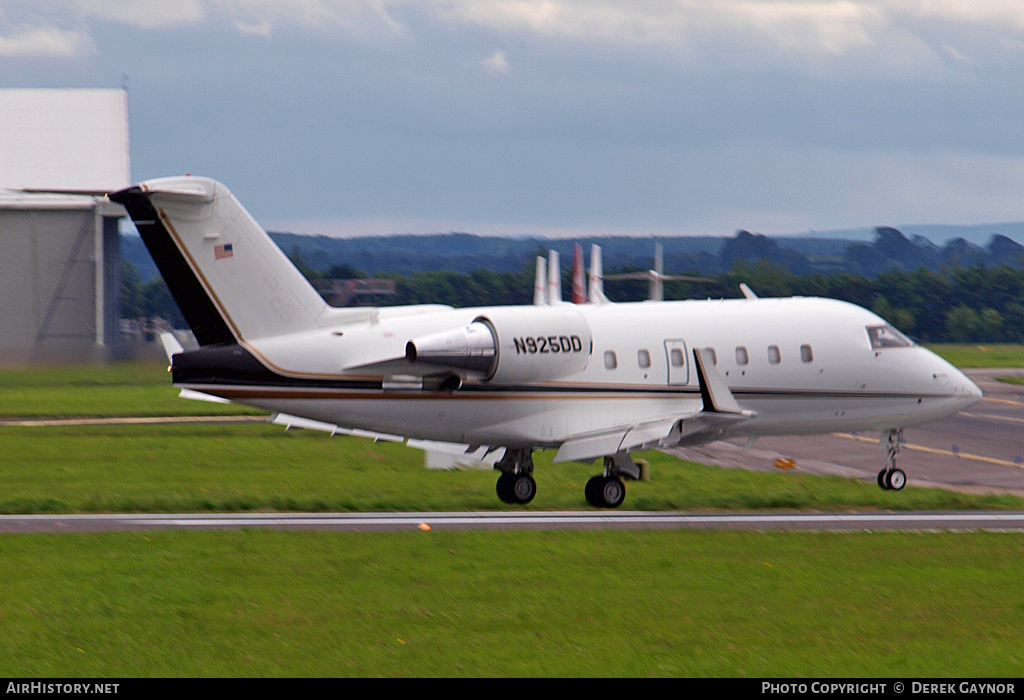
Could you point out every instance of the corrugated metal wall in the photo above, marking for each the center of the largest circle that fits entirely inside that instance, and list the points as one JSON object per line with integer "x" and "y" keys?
{"x": 59, "y": 285}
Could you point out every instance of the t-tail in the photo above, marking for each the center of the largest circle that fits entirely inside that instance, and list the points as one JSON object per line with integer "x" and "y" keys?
{"x": 230, "y": 280}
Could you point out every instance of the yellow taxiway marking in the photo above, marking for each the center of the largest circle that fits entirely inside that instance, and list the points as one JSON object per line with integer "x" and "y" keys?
{"x": 993, "y": 416}
{"x": 936, "y": 451}
{"x": 1011, "y": 402}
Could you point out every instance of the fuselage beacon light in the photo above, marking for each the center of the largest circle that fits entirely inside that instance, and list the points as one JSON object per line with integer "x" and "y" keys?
{"x": 590, "y": 380}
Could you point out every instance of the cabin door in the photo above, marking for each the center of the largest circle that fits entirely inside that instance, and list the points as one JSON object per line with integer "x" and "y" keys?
{"x": 678, "y": 364}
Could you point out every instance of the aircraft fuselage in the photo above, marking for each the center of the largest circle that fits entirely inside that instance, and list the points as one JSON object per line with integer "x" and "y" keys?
{"x": 802, "y": 365}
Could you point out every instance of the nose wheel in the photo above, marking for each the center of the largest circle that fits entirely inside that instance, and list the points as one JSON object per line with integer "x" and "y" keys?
{"x": 891, "y": 478}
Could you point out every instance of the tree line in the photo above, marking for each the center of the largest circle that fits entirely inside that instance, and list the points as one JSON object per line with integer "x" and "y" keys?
{"x": 952, "y": 304}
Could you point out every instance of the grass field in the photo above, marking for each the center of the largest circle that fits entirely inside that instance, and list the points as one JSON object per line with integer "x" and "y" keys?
{"x": 968, "y": 355}
{"x": 602, "y": 603}
{"x": 260, "y": 467}
{"x": 613, "y": 603}
{"x": 122, "y": 389}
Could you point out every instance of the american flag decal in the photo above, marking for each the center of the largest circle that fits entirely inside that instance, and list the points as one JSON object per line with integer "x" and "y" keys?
{"x": 224, "y": 250}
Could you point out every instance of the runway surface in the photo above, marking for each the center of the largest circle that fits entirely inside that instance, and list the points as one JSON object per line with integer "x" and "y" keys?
{"x": 980, "y": 450}
{"x": 428, "y": 522}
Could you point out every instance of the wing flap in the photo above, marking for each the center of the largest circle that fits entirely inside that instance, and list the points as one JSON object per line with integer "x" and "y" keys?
{"x": 659, "y": 433}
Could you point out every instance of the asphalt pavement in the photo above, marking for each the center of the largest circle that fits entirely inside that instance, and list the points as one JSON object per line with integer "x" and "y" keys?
{"x": 980, "y": 450}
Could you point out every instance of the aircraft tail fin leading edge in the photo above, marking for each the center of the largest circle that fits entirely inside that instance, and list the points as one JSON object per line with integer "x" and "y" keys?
{"x": 230, "y": 280}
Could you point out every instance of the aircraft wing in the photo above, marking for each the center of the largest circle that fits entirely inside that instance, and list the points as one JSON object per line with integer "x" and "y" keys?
{"x": 635, "y": 437}
{"x": 290, "y": 421}
{"x": 718, "y": 411}
{"x": 469, "y": 452}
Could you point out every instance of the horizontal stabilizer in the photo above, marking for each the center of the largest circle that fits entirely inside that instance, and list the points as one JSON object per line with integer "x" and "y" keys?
{"x": 200, "y": 396}
{"x": 171, "y": 346}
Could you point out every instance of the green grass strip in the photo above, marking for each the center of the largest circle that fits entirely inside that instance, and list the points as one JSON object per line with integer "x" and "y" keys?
{"x": 972, "y": 355}
{"x": 612, "y": 603}
{"x": 233, "y": 468}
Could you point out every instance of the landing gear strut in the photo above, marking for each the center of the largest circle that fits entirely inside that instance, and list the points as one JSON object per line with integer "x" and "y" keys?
{"x": 516, "y": 484}
{"x": 891, "y": 478}
{"x": 607, "y": 490}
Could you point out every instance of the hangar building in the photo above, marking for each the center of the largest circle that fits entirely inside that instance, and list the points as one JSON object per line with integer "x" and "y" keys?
{"x": 60, "y": 267}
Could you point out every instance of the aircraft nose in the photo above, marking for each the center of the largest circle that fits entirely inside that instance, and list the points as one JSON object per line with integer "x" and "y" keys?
{"x": 969, "y": 391}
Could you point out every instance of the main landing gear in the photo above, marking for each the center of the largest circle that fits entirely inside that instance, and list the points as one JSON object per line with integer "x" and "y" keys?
{"x": 891, "y": 478}
{"x": 607, "y": 490}
{"x": 516, "y": 484}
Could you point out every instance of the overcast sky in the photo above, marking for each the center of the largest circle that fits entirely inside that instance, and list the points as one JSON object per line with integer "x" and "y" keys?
{"x": 558, "y": 117}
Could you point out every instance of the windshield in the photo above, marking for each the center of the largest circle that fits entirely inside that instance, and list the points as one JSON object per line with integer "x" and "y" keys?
{"x": 887, "y": 337}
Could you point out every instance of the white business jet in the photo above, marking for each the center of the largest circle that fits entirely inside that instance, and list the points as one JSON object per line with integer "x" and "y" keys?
{"x": 595, "y": 380}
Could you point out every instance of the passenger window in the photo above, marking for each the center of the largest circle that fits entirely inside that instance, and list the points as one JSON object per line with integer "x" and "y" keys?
{"x": 610, "y": 361}
{"x": 742, "y": 357}
{"x": 887, "y": 337}
{"x": 714, "y": 355}
{"x": 643, "y": 358}
{"x": 805, "y": 353}
{"x": 676, "y": 357}
{"x": 774, "y": 356}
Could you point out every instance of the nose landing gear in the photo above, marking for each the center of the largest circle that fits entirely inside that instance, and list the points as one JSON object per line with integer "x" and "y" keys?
{"x": 891, "y": 478}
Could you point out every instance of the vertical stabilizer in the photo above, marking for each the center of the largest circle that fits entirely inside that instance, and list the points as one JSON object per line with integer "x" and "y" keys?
{"x": 540, "y": 283}
{"x": 554, "y": 278}
{"x": 657, "y": 282}
{"x": 596, "y": 277}
{"x": 229, "y": 278}
{"x": 579, "y": 287}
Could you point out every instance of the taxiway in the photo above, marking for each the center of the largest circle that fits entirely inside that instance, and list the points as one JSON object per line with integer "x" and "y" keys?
{"x": 980, "y": 450}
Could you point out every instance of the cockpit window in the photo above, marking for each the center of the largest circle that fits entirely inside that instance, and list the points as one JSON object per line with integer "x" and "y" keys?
{"x": 887, "y": 337}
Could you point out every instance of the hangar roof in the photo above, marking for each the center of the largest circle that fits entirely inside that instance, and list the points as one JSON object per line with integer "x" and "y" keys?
{"x": 64, "y": 139}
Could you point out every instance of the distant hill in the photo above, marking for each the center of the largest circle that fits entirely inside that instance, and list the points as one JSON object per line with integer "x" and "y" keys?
{"x": 868, "y": 252}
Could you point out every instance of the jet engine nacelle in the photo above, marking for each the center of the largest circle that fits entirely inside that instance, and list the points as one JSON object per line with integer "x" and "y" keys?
{"x": 511, "y": 345}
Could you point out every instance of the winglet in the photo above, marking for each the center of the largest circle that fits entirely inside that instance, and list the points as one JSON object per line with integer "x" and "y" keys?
{"x": 713, "y": 389}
